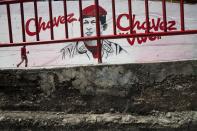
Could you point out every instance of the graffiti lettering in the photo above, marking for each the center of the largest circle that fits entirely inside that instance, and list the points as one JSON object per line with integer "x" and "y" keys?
{"x": 143, "y": 39}
{"x": 171, "y": 25}
{"x": 155, "y": 25}
{"x": 47, "y": 25}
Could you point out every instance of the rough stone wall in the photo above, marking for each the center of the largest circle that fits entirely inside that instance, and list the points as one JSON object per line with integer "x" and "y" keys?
{"x": 129, "y": 88}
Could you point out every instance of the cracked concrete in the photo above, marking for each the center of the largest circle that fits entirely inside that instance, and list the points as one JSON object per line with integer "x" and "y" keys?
{"x": 130, "y": 88}
{"x": 176, "y": 121}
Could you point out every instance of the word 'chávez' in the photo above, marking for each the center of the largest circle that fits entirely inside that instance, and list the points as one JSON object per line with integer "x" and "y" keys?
{"x": 154, "y": 25}
{"x": 47, "y": 25}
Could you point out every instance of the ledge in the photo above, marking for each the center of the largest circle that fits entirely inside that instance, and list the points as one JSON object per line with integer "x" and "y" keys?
{"x": 171, "y": 121}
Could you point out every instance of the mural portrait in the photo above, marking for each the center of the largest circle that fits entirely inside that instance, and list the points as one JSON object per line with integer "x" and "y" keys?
{"x": 89, "y": 48}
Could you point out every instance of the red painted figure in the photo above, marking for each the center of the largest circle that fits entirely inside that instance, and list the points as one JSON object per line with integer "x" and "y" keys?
{"x": 23, "y": 56}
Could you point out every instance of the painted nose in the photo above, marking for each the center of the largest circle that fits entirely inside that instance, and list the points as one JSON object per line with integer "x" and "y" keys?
{"x": 88, "y": 29}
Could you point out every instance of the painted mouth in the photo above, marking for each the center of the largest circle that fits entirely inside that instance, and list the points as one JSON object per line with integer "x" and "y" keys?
{"x": 89, "y": 33}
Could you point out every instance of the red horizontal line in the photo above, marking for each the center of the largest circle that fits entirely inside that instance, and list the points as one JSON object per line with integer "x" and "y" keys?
{"x": 120, "y": 36}
{"x": 14, "y": 1}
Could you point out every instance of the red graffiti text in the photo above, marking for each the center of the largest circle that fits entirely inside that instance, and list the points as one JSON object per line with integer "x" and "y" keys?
{"x": 155, "y": 25}
{"x": 47, "y": 25}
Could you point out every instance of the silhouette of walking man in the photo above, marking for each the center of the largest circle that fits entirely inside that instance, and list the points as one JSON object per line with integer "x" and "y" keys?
{"x": 23, "y": 56}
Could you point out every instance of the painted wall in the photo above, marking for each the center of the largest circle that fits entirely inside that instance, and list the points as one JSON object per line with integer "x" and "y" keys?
{"x": 133, "y": 50}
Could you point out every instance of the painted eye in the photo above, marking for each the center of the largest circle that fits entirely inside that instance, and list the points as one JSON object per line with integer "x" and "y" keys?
{"x": 85, "y": 22}
{"x": 93, "y": 22}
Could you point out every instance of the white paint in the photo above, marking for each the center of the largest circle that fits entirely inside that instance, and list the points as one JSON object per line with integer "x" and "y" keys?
{"x": 170, "y": 48}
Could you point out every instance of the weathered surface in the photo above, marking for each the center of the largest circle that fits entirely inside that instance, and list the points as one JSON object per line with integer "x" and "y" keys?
{"x": 131, "y": 88}
{"x": 132, "y": 97}
{"x": 50, "y": 121}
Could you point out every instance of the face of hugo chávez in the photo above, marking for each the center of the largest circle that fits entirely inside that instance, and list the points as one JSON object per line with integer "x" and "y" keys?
{"x": 89, "y": 26}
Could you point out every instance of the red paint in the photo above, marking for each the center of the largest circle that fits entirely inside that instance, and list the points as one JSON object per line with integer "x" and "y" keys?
{"x": 23, "y": 51}
{"x": 142, "y": 39}
{"x": 155, "y": 25}
{"x": 47, "y": 25}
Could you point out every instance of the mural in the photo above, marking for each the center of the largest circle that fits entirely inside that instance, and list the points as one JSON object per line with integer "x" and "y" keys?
{"x": 130, "y": 50}
{"x": 89, "y": 48}
{"x": 42, "y": 25}
{"x": 155, "y": 26}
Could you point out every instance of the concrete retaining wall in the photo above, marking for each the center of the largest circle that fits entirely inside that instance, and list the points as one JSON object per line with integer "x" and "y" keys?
{"x": 129, "y": 88}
